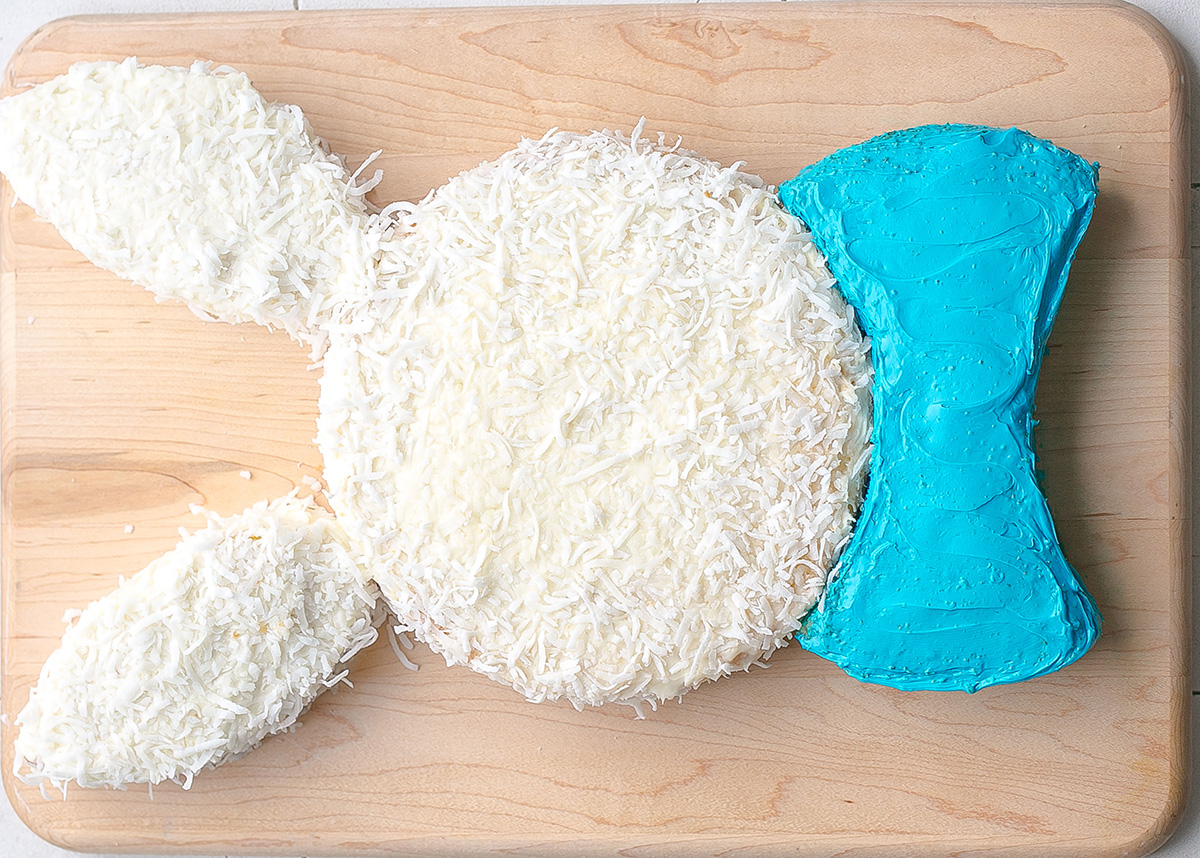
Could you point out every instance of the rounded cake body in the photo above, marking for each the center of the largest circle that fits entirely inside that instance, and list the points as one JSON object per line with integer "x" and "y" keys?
{"x": 602, "y": 429}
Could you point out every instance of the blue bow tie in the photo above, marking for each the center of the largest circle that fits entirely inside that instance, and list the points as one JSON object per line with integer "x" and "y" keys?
{"x": 952, "y": 244}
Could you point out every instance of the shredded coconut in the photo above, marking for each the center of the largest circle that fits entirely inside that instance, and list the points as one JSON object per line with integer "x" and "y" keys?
{"x": 592, "y": 414}
{"x": 602, "y": 427}
{"x": 201, "y": 655}
{"x": 188, "y": 182}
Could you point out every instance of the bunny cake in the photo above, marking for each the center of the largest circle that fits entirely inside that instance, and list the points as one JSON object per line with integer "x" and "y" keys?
{"x": 593, "y": 416}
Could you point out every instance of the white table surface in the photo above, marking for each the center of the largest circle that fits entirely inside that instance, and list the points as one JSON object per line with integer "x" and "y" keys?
{"x": 19, "y": 18}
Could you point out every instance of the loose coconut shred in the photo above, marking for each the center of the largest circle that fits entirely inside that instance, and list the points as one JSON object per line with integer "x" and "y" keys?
{"x": 197, "y": 658}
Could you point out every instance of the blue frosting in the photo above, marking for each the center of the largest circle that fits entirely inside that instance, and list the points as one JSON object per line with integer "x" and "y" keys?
{"x": 952, "y": 244}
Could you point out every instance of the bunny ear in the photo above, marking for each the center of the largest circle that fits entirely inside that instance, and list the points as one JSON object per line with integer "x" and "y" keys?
{"x": 187, "y": 182}
{"x": 193, "y": 661}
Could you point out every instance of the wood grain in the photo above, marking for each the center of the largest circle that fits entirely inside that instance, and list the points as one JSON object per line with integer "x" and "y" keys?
{"x": 116, "y": 411}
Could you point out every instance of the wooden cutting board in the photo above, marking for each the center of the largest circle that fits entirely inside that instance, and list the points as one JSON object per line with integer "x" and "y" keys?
{"x": 118, "y": 413}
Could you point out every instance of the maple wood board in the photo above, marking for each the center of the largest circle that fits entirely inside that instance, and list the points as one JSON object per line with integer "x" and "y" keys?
{"x": 116, "y": 411}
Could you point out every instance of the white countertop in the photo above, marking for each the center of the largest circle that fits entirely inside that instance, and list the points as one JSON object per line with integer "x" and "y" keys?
{"x": 19, "y": 18}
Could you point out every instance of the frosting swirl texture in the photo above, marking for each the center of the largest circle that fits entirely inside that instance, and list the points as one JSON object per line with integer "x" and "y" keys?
{"x": 952, "y": 243}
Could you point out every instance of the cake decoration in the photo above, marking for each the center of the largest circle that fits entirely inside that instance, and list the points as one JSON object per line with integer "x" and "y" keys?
{"x": 952, "y": 243}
